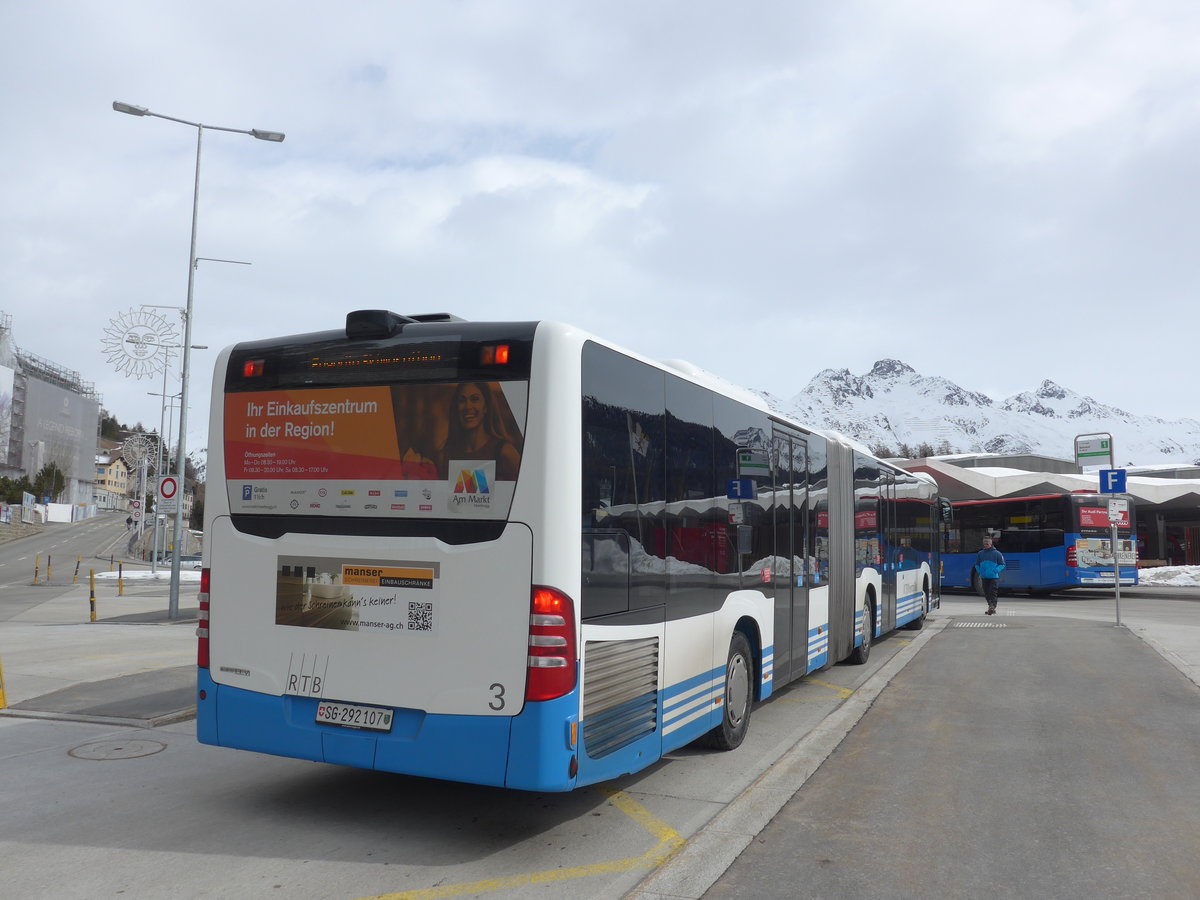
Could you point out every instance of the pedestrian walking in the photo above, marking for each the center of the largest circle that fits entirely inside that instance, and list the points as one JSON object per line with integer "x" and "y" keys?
{"x": 989, "y": 563}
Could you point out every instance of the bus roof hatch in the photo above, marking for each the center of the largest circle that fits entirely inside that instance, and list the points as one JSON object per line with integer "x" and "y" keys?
{"x": 378, "y": 323}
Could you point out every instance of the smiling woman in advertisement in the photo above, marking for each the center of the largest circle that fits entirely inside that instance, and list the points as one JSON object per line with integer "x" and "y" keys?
{"x": 481, "y": 426}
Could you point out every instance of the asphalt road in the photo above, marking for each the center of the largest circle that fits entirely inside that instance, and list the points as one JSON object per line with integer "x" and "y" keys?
{"x": 1016, "y": 756}
{"x": 89, "y": 544}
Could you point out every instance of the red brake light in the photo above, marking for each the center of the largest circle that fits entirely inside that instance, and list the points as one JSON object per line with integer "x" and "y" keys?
{"x": 1071, "y": 558}
{"x": 552, "y": 657}
{"x": 252, "y": 368}
{"x": 493, "y": 355}
{"x": 202, "y": 625}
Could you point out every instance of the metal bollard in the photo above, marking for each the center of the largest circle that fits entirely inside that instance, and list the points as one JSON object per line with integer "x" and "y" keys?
{"x": 92, "y": 594}
{"x": 49, "y": 567}
{"x": 37, "y": 570}
{"x": 75, "y": 577}
{"x": 3, "y": 699}
{"x": 120, "y": 579}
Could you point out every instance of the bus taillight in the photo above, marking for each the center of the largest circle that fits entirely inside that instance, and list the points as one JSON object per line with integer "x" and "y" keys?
{"x": 1071, "y": 559}
{"x": 552, "y": 656}
{"x": 202, "y": 625}
{"x": 493, "y": 355}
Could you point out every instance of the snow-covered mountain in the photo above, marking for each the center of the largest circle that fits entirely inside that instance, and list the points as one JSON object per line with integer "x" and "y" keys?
{"x": 893, "y": 404}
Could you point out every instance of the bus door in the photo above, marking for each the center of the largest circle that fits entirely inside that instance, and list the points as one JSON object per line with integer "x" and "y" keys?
{"x": 790, "y": 465}
{"x": 889, "y": 546}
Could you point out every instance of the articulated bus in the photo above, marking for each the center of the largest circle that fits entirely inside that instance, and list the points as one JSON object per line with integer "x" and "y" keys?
{"x": 513, "y": 554}
{"x": 1051, "y": 542}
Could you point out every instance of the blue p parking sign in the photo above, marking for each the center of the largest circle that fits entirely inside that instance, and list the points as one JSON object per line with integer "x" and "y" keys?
{"x": 1112, "y": 481}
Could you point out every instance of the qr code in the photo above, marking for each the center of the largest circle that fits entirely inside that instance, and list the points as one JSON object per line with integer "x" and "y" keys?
{"x": 420, "y": 616}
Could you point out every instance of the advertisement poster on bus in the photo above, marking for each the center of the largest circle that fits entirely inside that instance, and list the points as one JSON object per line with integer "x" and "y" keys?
{"x": 1097, "y": 517}
{"x": 1092, "y": 553}
{"x": 423, "y": 450}
{"x": 352, "y": 595}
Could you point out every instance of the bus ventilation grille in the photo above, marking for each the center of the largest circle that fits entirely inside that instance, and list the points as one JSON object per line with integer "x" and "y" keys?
{"x": 620, "y": 693}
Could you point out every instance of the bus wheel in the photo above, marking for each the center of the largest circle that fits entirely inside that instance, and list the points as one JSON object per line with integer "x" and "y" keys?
{"x": 739, "y": 697}
{"x": 862, "y": 652}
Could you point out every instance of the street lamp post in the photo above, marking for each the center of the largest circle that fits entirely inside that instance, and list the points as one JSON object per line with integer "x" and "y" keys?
{"x": 181, "y": 454}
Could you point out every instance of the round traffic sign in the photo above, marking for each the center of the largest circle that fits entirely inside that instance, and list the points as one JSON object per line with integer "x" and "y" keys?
{"x": 168, "y": 487}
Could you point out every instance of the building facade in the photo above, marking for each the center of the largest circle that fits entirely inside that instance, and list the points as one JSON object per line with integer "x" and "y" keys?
{"x": 112, "y": 483}
{"x": 48, "y": 414}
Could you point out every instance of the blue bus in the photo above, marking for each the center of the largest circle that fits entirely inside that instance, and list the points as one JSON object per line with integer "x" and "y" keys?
{"x": 1050, "y": 542}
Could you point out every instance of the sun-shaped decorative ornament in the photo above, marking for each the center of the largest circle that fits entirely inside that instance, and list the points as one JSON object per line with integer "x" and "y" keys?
{"x": 138, "y": 342}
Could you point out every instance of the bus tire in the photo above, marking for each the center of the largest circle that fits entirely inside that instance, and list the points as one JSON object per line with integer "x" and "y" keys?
{"x": 739, "y": 697}
{"x": 862, "y": 652}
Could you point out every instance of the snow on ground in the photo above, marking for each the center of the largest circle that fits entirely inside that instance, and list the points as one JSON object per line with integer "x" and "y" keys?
{"x": 1176, "y": 576}
{"x": 163, "y": 574}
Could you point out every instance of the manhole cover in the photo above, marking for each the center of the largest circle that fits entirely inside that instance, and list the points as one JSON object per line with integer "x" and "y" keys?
{"x": 117, "y": 749}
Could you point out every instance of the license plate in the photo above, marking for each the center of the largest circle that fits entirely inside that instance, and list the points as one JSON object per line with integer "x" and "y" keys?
{"x": 349, "y": 715}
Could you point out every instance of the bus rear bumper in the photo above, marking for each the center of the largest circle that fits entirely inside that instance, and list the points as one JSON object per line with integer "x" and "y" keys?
{"x": 471, "y": 749}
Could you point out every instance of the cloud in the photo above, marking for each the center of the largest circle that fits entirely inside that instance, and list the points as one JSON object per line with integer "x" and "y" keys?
{"x": 768, "y": 190}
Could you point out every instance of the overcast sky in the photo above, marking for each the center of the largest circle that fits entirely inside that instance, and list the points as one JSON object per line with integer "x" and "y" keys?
{"x": 995, "y": 192}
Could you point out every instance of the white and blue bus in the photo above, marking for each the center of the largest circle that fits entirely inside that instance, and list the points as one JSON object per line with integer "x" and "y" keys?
{"x": 514, "y": 554}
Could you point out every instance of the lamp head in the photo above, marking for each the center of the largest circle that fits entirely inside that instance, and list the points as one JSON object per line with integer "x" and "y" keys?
{"x": 130, "y": 108}
{"x": 276, "y": 136}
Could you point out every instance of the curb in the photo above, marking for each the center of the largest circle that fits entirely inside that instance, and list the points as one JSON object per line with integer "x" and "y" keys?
{"x": 181, "y": 715}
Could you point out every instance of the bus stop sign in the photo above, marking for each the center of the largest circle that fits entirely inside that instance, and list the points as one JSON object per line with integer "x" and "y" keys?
{"x": 739, "y": 488}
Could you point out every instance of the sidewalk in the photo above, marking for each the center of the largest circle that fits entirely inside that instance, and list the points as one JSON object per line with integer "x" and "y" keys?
{"x": 132, "y": 666}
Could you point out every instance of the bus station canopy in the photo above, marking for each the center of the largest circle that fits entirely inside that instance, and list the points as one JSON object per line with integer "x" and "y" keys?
{"x": 986, "y": 482}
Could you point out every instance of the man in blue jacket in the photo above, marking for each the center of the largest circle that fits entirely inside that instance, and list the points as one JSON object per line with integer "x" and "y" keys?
{"x": 989, "y": 563}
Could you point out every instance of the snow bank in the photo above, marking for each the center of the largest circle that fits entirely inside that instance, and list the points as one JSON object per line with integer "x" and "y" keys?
{"x": 1176, "y": 576}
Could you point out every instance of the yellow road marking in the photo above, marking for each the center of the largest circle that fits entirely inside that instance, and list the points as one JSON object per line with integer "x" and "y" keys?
{"x": 669, "y": 842}
{"x": 842, "y": 692}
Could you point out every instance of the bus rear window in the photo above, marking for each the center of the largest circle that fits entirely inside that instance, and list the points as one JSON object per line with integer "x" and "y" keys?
{"x": 450, "y": 449}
